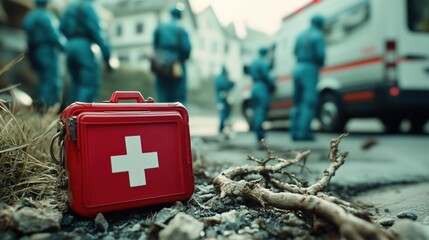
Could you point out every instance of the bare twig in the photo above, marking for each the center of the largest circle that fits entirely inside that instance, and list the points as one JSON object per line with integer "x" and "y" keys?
{"x": 334, "y": 146}
{"x": 351, "y": 223}
{"x": 327, "y": 175}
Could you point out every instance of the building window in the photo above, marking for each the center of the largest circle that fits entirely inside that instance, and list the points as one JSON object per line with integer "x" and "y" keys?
{"x": 418, "y": 15}
{"x": 139, "y": 28}
{"x": 123, "y": 57}
{"x": 118, "y": 30}
{"x": 214, "y": 47}
{"x": 202, "y": 43}
{"x": 213, "y": 68}
{"x": 143, "y": 57}
{"x": 226, "y": 48}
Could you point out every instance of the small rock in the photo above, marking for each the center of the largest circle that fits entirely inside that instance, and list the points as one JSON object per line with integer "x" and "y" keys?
{"x": 248, "y": 230}
{"x": 32, "y": 220}
{"x": 165, "y": 214}
{"x": 179, "y": 206}
{"x": 136, "y": 227}
{"x": 205, "y": 189}
{"x": 6, "y": 217}
{"x": 182, "y": 227}
{"x": 409, "y": 230}
{"x": 191, "y": 211}
{"x": 228, "y": 233}
{"x": 369, "y": 143}
{"x": 407, "y": 214}
{"x": 386, "y": 222}
{"x": 240, "y": 237}
{"x": 143, "y": 236}
{"x": 67, "y": 220}
{"x": 109, "y": 237}
{"x": 41, "y": 236}
{"x": 9, "y": 235}
{"x": 230, "y": 220}
{"x": 101, "y": 223}
{"x": 212, "y": 220}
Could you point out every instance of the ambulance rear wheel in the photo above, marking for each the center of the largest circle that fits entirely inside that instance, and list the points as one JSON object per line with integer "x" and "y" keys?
{"x": 392, "y": 124}
{"x": 417, "y": 124}
{"x": 331, "y": 114}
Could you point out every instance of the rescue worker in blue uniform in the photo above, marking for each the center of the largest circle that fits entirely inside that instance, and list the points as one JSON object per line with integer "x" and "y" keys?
{"x": 310, "y": 57}
{"x": 223, "y": 86}
{"x": 172, "y": 39}
{"x": 263, "y": 87}
{"x": 45, "y": 43}
{"x": 80, "y": 23}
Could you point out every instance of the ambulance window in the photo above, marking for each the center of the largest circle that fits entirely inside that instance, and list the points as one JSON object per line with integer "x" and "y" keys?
{"x": 418, "y": 15}
{"x": 345, "y": 23}
{"x": 334, "y": 32}
{"x": 356, "y": 18}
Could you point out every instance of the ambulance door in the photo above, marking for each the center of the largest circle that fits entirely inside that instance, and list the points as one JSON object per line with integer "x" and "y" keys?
{"x": 413, "y": 45}
{"x": 352, "y": 63}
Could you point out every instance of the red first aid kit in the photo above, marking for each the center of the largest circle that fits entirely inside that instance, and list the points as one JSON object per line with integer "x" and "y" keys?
{"x": 122, "y": 155}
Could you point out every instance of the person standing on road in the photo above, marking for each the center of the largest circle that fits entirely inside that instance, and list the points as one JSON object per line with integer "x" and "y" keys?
{"x": 171, "y": 39}
{"x": 223, "y": 87}
{"x": 310, "y": 57}
{"x": 263, "y": 87}
{"x": 80, "y": 23}
{"x": 45, "y": 43}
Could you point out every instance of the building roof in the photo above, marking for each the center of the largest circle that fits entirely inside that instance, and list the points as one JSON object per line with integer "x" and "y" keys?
{"x": 136, "y": 6}
{"x": 252, "y": 34}
{"x": 209, "y": 10}
{"x": 129, "y": 7}
{"x": 231, "y": 31}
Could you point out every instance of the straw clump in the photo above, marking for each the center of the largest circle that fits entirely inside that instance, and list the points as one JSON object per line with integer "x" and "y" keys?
{"x": 27, "y": 171}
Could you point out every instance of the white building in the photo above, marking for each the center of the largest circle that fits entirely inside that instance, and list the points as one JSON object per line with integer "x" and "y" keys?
{"x": 131, "y": 35}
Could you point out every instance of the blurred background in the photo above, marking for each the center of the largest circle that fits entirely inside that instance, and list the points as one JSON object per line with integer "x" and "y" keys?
{"x": 231, "y": 32}
{"x": 130, "y": 24}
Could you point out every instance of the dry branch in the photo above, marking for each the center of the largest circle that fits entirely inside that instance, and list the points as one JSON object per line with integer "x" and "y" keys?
{"x": 351, "y": 223}
{"x": 11, "y": 64}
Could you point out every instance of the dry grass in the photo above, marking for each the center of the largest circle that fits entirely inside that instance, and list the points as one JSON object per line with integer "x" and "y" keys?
{"x": 26, "y": 169}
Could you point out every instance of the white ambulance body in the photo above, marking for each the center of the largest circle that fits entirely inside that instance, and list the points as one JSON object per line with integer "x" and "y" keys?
{"x": 377, "y": 62}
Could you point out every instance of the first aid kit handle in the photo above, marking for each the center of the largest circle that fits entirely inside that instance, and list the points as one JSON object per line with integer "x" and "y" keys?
{"x": 126, "y": 95}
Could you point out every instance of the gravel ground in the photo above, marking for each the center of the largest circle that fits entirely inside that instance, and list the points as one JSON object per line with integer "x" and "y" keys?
{"x": 204, "y": 216}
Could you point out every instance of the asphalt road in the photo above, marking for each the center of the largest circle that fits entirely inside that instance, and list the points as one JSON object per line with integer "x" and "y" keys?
{"x": 391, "y": 158}
{"x": 393, "y": 173}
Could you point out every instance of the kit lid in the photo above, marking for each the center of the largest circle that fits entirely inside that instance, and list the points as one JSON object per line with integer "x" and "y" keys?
{"x": 133, "y": 156}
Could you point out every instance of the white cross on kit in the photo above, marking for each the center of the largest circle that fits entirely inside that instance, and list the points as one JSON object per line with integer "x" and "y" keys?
{"x": 135, "y": 162}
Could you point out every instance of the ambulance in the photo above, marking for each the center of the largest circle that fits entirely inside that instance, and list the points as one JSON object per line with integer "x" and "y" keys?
{"x": 377, "y": 62}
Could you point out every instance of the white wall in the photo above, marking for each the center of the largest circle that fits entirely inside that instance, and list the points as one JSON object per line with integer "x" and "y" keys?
{"x": 208, "y": 41}
{"x": 209, "y": 44}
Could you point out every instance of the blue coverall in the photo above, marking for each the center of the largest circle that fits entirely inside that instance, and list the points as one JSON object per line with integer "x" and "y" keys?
{"x": 263, "y": 86}
{"x": 173, "y": 40}
{"x": 45, "y": 42}
{"x": 310, "y": 56}
{"x": 223, "y": 86}
{"x": 81, "y": 25}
